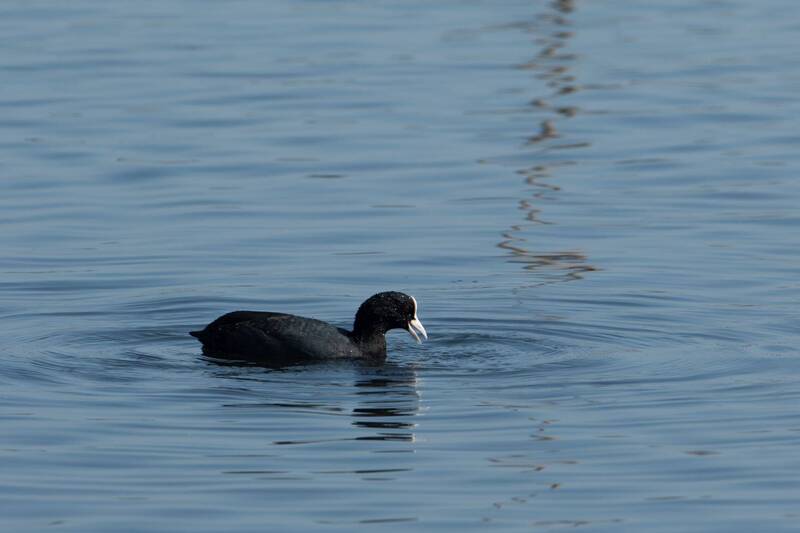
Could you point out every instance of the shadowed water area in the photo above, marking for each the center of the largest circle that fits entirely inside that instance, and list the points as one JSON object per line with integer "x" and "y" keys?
{"x": 595, "y": 204}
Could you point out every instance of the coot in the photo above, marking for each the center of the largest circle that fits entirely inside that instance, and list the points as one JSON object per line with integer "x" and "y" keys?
{"x": 280, "y": 337}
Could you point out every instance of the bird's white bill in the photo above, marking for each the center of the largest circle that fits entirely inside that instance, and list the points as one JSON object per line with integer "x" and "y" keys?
{"x": 414, "y": 327}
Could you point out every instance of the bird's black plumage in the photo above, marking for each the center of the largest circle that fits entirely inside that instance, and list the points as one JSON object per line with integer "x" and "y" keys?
{"x": 279, "y": 337}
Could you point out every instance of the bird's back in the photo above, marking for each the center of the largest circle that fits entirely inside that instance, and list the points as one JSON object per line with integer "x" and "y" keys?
{"x": 275, "y": 336}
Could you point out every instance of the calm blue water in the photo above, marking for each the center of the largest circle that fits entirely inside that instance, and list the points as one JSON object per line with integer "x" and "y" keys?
{"x": 596, "y": 204}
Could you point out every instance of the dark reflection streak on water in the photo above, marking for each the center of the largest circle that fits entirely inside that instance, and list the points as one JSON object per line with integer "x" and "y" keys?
{"x": 364, "y": 471}
{"x": 298, "y": 406}
{"x": 392, "y": 393}
{"x": 387, "y": 397}
{"x": 369, "y": 521}
{"x": 553, "y": 67}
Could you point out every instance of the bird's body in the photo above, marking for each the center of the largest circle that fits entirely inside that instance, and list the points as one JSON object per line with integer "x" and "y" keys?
{"x": 281, "y": 338}
{"x": 258, "y": 333}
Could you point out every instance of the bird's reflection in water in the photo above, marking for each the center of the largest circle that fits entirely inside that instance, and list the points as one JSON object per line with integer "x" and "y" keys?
{"x": 389, "y": 401}
{"x": 384, "y": 395}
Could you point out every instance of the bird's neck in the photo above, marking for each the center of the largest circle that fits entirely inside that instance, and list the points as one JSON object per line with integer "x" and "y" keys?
{"x": 372, "y": 343}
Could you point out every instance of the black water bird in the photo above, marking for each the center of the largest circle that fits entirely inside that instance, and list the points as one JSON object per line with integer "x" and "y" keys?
{"x": 282, "y": 338}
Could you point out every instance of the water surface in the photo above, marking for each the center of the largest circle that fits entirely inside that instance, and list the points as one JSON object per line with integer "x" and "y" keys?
{"x": 594, "y": 203}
